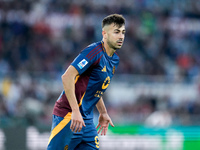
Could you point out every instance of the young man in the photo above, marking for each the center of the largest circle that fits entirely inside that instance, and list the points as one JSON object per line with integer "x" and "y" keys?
{"x": 84, "y": 82}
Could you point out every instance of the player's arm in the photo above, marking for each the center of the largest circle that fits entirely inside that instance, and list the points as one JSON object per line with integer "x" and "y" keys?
{"x": 104, "y": 119}
{"x": 68, "y": 80}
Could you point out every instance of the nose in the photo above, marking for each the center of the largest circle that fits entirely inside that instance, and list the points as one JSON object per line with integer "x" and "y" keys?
{"x": 121, "y": 36}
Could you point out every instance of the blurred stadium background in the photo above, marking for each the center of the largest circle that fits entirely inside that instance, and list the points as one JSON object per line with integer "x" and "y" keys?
{"x": 154, "y": 96}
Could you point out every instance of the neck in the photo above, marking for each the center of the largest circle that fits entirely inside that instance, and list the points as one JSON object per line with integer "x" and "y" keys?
{"x": 110, "y": 51}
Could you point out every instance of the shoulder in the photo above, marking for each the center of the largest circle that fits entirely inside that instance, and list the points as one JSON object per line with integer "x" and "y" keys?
{"x": 93, "y": 50}
{"x": 92, "y": 47}
{"x": 96, "y": 44}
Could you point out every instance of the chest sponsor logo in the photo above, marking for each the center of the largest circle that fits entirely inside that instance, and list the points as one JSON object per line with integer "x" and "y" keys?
{"x": 82, "y": 63}
{"x": 106, "y": 83}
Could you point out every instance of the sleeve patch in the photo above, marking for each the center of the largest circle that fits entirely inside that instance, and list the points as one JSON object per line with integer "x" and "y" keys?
{"x": 82, "y": 63}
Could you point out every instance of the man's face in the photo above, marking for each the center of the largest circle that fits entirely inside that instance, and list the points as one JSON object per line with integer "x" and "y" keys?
{"x": 115, "y": 35}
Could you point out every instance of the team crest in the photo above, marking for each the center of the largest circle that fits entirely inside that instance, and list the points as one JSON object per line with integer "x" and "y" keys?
{"x": 113, "y": 71}
{"x": 66, "y": 147}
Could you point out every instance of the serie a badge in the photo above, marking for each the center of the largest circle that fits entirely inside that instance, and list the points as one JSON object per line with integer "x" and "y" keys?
{"x": 113, "y": 71}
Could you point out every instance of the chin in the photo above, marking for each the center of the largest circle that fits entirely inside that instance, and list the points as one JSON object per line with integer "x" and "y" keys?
{"x": 119, "y": 46}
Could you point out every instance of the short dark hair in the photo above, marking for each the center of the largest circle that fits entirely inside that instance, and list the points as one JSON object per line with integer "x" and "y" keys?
{"x": 117, "y": 19}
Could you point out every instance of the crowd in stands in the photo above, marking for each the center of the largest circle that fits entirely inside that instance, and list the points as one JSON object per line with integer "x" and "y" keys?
{"x": 39, "y": 39}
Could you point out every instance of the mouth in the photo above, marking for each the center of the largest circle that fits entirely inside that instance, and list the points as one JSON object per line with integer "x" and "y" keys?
{"x": 119, "y": 42}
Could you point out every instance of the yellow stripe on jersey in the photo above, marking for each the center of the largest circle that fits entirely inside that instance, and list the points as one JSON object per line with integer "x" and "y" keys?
{"x": 81, "y": 100}
{"x": 60, "y": 126}
{"x": 63, "y": 123}
{"x": 76, "y": 78}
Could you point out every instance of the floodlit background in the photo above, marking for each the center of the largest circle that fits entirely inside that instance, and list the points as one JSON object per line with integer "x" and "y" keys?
{"x": 153, "y": 98}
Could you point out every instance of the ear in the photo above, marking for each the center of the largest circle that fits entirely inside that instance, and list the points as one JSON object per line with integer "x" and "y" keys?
{"x": 104, "y": 34}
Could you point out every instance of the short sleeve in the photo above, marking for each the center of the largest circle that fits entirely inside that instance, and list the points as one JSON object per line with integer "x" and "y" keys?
{"x": 82, "y": 62}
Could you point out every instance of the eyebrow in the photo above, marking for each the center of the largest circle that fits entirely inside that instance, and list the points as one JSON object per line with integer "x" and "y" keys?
{"x": 120, "y": 30}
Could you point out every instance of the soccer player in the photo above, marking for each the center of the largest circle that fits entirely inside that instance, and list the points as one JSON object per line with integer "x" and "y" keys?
{"x": 84, "y": 82}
